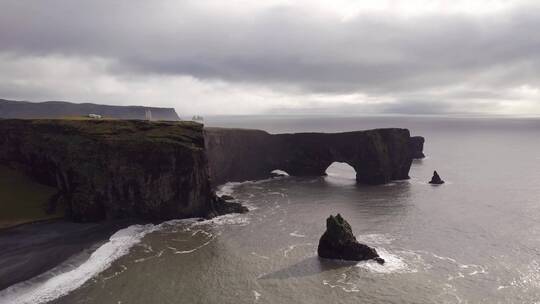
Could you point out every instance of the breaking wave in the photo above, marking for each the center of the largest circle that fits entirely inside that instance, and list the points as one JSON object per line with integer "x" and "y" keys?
{"x": 59, "y": 282}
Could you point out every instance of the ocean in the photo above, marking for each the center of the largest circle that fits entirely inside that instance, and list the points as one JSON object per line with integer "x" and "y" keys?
{"x": 475, "y": 239}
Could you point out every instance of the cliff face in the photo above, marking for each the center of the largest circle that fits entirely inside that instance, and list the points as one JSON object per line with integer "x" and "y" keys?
{"x": 114, "y": 169}
{"x": 378, "y": 156}
{"x": 417, "y": 147}
{"x": 61, "y": 109}
{"x": 108, "y": 169}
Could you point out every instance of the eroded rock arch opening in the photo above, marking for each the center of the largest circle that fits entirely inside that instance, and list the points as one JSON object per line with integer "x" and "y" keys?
{"x": 278, "y": 173}
{"x": 341, "y": 170}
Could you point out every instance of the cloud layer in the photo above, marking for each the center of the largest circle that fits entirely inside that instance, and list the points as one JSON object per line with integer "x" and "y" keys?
{"x": 241, "y": 57}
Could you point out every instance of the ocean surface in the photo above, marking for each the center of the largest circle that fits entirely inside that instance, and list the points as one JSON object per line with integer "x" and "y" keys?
{"x": 475, "y": 239}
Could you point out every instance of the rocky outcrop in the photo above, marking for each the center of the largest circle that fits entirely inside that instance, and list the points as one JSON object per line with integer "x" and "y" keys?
{"x": 436, "y": 179}
{"x": 378, "y": 156}
{"x": 417, "y": 147}
{"x": 106, "y": 169}
{"x": 338, "y": 242}
{"x": 62, "y": 109}
{"x": 225, "y": 205}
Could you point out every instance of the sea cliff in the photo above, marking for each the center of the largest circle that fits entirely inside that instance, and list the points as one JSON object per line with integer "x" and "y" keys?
{"x": 378, "y": 156}
{"x": 154, "y": 171}
{"x": 110, "y": 169}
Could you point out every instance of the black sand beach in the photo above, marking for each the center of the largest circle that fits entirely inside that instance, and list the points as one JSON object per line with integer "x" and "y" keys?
{"x": 29, "y": 250}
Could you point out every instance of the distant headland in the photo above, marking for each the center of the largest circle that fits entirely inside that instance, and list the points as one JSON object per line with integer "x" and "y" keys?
{"x": 63, "y": 109}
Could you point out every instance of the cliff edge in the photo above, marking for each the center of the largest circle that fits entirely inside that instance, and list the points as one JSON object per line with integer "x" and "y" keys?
{"x": 109, "y": 169}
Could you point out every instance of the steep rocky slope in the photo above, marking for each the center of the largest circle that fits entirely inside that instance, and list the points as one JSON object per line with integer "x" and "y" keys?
{"x": 114, "y": 169}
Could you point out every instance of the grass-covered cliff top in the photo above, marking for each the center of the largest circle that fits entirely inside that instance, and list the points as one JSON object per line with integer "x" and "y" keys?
{"x": 183, "y": 132}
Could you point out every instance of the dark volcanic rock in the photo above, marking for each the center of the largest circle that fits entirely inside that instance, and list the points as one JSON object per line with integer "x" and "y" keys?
{"x": 222, "y": 206}
{"x": 338, "y": 242}
{"x": 227, "y": 197}
{"x": 378, "y": 156}
{"x": 108, "y": 169}
{"x": 436, "y": 179}
{"x": 417, "y": 147}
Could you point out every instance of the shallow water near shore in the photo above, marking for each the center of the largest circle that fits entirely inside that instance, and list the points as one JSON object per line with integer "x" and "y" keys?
{"x": 474, "y": 239}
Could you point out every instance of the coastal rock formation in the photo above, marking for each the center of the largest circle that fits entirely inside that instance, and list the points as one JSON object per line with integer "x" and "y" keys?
{"x": 436, "y": 179}
{"x": 62, "y": 109}
{"x": 227, "y": 197}
{"x": 378, "y": 156}
{"x": 225, "y": 205}
{"x": 338, "y": 242}
{"x": 105, "y": 169}
{"x": 417, "y": 147}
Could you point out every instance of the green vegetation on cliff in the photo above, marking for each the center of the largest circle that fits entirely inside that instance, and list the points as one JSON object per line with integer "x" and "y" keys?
{"x": 23, "y": 200}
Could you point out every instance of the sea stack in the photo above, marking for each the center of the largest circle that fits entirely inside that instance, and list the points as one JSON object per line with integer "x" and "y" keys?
{"x": 338, "y": 242}
{"x": 436, "y": 179}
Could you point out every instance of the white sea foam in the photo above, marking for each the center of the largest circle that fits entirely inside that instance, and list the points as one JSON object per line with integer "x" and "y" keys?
{"x": 65, "y": 278}
{"x": 287, "y": 250}
{"x": 227, "y": 219}
{"x": 344, "y": 283}
{"x": 228, "y": 188}
{"x": 176, "y": 251}
{"x": 375, "y": 239}
{"x": 257, "y": 295}
{"x": 40, "y": 291}
{"x": 296, "y": 234}
{"x": 281, "y": 172}
{"x": 528, "y": 279}
{"x": 392, "y": 263}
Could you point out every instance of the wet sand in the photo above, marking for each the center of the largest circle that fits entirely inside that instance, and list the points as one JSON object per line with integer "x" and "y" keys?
{"x": 29, "y": 250}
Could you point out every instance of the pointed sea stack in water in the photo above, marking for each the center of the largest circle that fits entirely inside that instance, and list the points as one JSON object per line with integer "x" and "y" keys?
{"x": 436, "y": 179}
{"x": 338, "y": 242}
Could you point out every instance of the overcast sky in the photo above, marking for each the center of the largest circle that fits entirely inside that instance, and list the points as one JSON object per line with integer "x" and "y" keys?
{"x": 242, "y": 57}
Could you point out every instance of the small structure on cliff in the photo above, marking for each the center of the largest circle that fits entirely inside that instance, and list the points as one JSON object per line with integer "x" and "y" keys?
{"x": 148, "y": 114}
{"x": 338, "y": 242}
{"x": 436, "y": 179}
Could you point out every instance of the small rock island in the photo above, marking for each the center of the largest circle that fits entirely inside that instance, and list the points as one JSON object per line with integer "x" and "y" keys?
{"x": 436, "y": 179}
{"x": 338, "y": 242}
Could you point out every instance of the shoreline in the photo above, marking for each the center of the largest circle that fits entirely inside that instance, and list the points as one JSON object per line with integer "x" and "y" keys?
{"x": 33, "y": 248}
{"x": 15, "y": 226}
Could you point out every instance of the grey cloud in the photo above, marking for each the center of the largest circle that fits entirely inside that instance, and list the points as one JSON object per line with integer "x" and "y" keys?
{"x": 286, "y": 47}
{"x": 404, "y": 106}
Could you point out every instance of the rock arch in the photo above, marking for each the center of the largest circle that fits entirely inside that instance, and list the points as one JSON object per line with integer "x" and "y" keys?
{"x": 378, "y": 156}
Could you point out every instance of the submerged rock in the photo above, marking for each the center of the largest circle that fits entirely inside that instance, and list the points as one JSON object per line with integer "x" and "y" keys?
{"x": 338, "y": 242}
{"x": 436, "y": 179}
{"x": 227, "y": 197}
